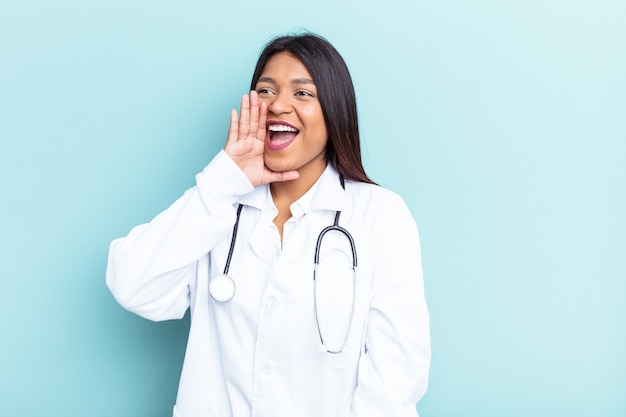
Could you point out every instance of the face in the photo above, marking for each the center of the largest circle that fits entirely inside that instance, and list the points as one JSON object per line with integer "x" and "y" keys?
{"x": 296, "y": 131}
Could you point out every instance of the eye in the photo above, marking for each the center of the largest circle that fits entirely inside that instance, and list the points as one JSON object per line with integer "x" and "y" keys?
{"x": 304, "y": 93}
{"x": 264, "y": 91}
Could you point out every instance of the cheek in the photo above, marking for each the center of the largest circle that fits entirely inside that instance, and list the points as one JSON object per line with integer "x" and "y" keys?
{"x": 316, "y": 118}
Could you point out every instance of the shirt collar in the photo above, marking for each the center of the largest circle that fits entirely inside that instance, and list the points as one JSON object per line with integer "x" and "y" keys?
{"x": 326, "y": 194}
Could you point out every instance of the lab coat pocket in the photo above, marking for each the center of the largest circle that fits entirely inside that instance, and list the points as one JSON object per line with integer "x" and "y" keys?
{"x": 346, "y": 327}
{"x": 339, "y": 290}
{"x": 343, "y": 308}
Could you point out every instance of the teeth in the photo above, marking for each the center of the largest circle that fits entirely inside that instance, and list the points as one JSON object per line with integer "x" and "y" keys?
{"x": 281, "y": 128}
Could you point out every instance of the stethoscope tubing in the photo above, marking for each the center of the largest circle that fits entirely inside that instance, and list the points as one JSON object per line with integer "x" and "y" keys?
{"x": 334, "y": 227}
{"x": 222, "y": 287}
{"x": 233, "y": 240}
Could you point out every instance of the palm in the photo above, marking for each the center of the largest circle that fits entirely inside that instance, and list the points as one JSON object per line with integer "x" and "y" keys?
{"x": 246, "y": 142}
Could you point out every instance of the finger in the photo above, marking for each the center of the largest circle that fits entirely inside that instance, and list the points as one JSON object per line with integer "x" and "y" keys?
{"x": 254, "y": 112}
{"x": 233, "y": 130}
{"x": 261, "y": 130}
{"x": 244, "y": 121}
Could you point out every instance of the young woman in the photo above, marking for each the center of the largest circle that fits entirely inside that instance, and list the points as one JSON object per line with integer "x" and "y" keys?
{"x": 289, "y": 317}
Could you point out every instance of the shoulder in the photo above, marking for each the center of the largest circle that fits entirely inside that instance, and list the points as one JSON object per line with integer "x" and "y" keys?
{"x": 375, "y": 200}
{"x": 380, "y": 220}
{"x": 374, "y": 194}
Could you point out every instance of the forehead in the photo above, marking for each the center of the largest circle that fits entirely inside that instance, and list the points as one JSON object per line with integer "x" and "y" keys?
{"x": 285, "y": 66}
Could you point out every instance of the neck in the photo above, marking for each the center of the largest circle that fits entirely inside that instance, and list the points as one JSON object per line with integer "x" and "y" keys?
{"x": 285, "y": 193}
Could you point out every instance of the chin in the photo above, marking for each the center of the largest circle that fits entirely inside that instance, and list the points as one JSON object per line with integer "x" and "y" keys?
{"x": 276, "y": 165}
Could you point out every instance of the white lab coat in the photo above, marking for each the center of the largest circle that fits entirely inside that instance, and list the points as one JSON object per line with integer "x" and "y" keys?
{"x": 258, "y": 354}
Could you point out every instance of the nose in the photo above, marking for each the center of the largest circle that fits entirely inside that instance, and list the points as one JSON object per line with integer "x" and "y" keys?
{"x": 279, "y": 104}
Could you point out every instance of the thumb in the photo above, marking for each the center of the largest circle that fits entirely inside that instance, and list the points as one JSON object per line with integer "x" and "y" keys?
{"x": 282, "y": 176}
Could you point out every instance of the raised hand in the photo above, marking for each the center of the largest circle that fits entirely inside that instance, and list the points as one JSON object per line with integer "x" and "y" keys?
{"x": 246, "y": 142}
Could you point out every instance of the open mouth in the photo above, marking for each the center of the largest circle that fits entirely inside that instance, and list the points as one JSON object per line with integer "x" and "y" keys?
{"x": 280, "y": 136}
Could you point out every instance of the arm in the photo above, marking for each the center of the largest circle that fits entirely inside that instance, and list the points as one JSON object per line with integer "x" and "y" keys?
{"x": 150, "y": 271}
{"x": 393, "y": 372}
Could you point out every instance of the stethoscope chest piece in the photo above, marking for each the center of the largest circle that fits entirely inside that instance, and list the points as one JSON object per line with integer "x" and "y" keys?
{"x": 222, "y": 288}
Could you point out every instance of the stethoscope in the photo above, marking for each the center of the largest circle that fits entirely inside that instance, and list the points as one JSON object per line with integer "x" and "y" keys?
{"x": 222, "y": 287}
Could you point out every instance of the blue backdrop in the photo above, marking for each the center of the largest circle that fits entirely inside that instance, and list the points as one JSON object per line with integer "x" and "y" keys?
{"x": 501, "y": 123}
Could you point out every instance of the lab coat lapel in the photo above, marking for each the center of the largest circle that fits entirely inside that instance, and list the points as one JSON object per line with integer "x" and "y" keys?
{"x": 329, "y": 197}
{"x": 258, "y": 238}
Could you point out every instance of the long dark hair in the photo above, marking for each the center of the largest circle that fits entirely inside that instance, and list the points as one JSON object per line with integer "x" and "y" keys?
{"x": 336, "y": 95}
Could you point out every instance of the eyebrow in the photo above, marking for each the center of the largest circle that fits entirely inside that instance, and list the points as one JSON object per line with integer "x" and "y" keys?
{"x": 294, "y": 81}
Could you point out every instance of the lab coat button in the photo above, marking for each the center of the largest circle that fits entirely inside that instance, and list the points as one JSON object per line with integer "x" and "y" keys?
{"x": 268, "y": 367}
{"x": 273, "y": 303}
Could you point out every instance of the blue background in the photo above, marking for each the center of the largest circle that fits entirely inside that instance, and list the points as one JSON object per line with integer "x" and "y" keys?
{"x": 501, "y": 123}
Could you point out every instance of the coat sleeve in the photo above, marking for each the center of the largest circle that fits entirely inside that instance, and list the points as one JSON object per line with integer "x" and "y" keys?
{"x": 393, "y": 370}
{"x": 150, "y": 271}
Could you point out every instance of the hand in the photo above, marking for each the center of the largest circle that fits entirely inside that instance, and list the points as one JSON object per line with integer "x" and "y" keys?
{"x": 246, "y": 142}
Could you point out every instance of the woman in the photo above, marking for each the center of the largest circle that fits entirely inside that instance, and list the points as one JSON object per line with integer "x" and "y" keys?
{"x": 280, "y": 337}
